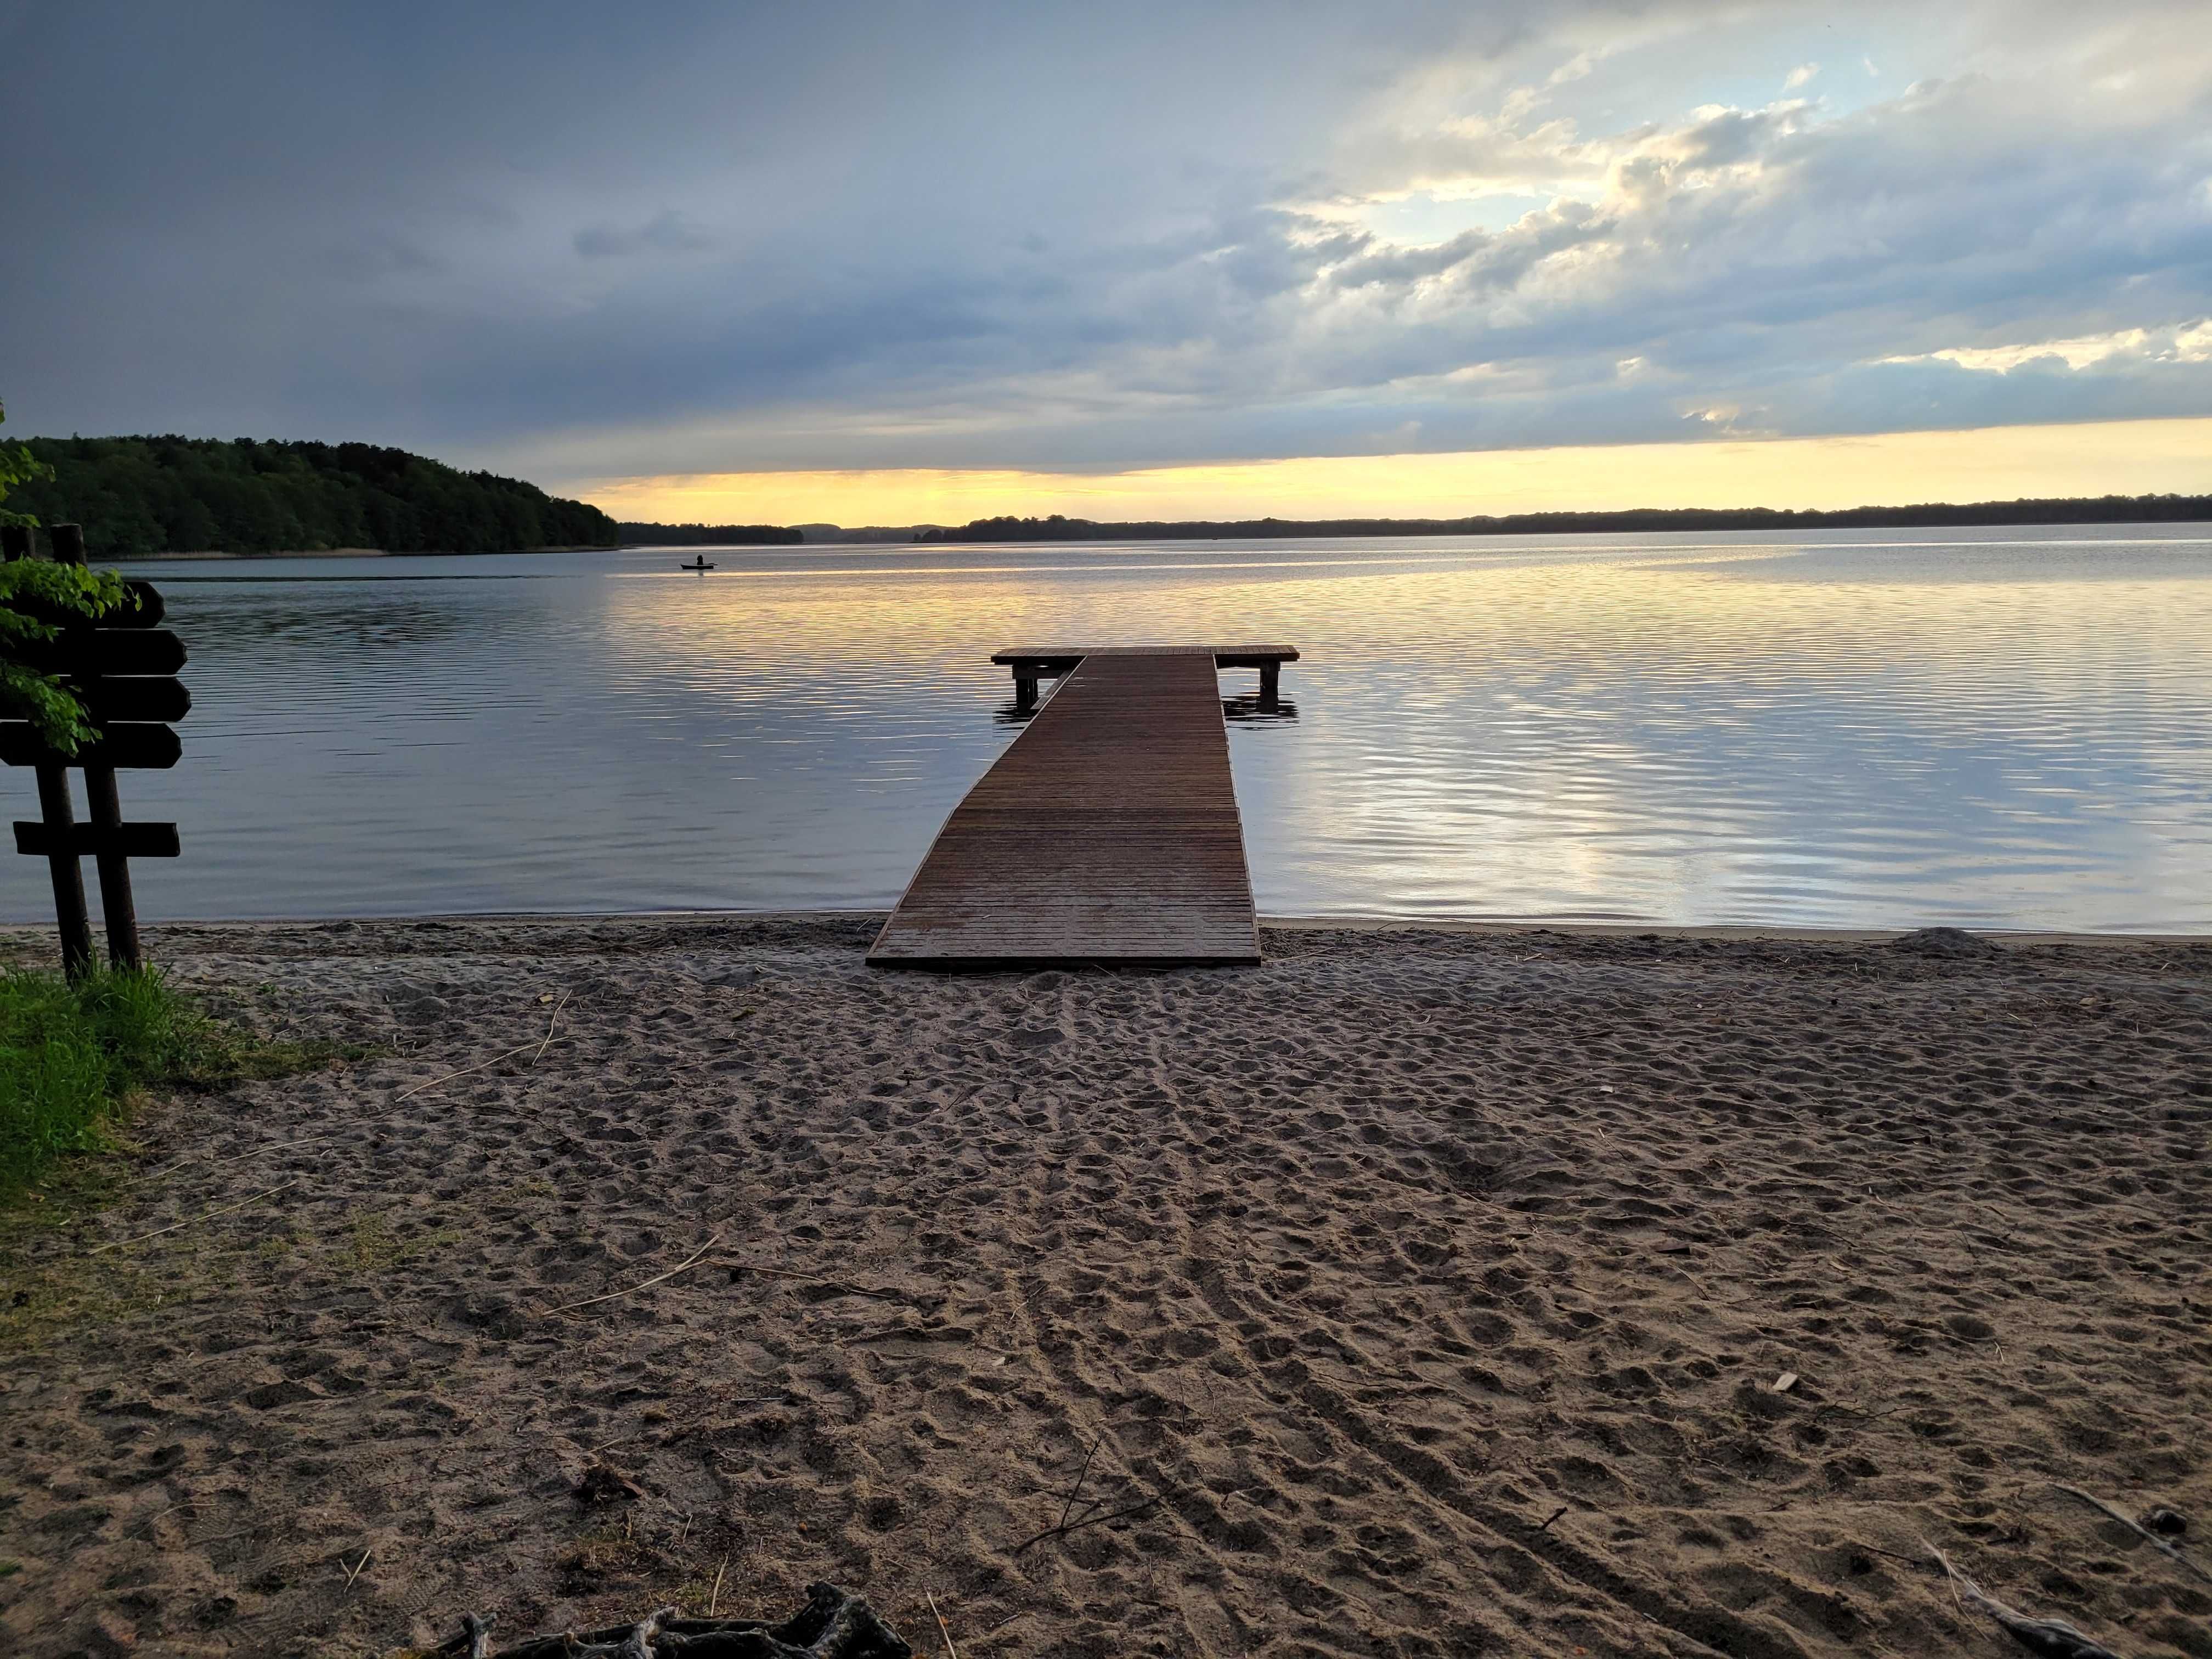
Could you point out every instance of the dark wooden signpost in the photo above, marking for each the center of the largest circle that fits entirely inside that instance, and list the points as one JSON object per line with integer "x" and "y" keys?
{"x": 124, "y": 673}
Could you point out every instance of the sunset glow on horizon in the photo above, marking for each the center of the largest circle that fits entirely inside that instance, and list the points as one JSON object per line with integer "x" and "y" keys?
{"x": 1434, "y": 258}
{"x": 1884, "y": 469}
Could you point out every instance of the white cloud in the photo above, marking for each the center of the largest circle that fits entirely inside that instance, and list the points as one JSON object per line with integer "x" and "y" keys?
{"x": 2178, "y": 344}
{"x": 1493, "y": 226}
{"x": 1573, "y": 70}
{"x": 1798, "y": 77}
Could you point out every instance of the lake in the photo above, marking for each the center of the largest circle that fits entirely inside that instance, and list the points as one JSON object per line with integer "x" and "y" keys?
{"x": 2000, "y": 728}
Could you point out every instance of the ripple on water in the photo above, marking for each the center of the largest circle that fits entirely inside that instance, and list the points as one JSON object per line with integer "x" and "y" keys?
{"x": 1998, "y": 728}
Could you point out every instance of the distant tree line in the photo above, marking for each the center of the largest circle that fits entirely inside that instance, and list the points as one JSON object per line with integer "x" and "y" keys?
{"x": 138, "y": 495}
{"x": 707, "y": 535}
{"x": 2099, "y": 509}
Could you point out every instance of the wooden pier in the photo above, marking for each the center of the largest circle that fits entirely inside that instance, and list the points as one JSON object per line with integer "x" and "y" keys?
{"x": 1107, "y": 832}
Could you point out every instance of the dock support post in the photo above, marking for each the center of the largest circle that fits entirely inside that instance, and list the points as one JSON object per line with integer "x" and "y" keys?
{"x": 1025, "y": 689}
{"x": 1270, "y": 677}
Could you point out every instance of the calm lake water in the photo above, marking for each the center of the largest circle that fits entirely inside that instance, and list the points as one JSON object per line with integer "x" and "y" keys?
{"x": 1996, "y": 728}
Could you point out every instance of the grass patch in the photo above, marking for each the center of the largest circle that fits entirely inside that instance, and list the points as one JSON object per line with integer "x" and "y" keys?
{"x": 74, "y": 1061}
{"x": 43, "y": 1288}
{"x": 374, "y": 1245}
{"x": 72, "y": 1055}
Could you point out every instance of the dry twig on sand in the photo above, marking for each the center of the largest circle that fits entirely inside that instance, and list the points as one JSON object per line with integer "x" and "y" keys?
{"x": 204, "y": 1215}
{"x": 1091, "y": 1519}
{"x": 549, "y": 1024}
{"x": 1151, "y": 1503}
{"x": 945, "y": 1630}
{"x": 1076, "y": 1491}
{"x": 820, "y": 1279}
{"x": 225, "y": 1163}
{"x": 591, "y": 1301}
{"x": 486, "y": 1065}
{"x": 2052, "y": 1638}
{"x": 317, "y": 1140}
{"x": 2162, "y": 1545}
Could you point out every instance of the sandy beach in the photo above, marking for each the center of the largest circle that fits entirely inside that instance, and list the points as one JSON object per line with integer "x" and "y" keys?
{"x": 1418, "y": 1293}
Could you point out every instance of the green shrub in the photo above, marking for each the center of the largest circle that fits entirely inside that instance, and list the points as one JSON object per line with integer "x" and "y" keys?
{"x": 70, "y": 1053}
{"x": 57, "y": 1080}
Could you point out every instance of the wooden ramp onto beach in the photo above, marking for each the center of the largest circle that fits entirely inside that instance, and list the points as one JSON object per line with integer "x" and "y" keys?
{"x": 1107, "y": 832}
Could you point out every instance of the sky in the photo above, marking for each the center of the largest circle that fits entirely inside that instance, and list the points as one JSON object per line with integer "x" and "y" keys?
{"x": 898, "y": 262}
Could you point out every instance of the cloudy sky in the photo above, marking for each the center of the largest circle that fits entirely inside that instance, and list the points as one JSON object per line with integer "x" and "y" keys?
{"x": 891, "y": 261}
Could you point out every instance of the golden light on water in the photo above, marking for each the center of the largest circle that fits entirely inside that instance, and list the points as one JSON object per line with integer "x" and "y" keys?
{"x": 1891, "y": 468}
{"x": 1625, "y": 727}
{"x": 1776, "y": 610}
{"x": 1987, "y": 728}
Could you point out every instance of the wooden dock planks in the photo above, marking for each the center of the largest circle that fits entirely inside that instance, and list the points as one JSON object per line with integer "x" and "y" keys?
{"x": 1107, "y": 832}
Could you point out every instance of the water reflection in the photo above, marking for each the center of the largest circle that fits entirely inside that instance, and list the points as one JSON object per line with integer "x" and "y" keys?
{"x": 1255, "y": 709}
{"x": 1985, "y": 728}
{"x": 1258, "y": 708}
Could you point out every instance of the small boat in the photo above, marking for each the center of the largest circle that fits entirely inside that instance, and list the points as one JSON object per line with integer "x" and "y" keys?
{"x": 699, "y": 563}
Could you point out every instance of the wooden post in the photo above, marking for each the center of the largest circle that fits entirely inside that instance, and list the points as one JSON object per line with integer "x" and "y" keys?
{"x": 106, "y": 812}
{"x": 69, "y": 877}
{"x": 116, "y": 907}
{"x": 1270, "y": 678}
{"x": 1025, "y": 688}
{"x": 118, "y": 672}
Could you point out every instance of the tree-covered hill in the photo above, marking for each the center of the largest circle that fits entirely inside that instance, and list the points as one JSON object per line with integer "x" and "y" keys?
{"x": 136, "y": 495}
{"x": 707, "y": 535}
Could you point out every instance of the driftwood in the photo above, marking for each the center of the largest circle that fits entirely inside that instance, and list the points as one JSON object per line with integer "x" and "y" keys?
{"x": 2164, "y": 1516}
{"x": 2051, "y": 1638}
{"x": 831, "y": 1625}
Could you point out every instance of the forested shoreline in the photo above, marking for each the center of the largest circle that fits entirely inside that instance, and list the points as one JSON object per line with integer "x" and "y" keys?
{"x": 140, "y": 495}
{"x": 2100, "y": 509}
{"x": 709, "y": 535}
{"x": 136, "y": 497}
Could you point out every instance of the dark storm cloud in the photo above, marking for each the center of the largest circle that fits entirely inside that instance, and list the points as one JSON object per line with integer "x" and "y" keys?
{"x": 665, "y": 232}
{"x": 592, "y": 239}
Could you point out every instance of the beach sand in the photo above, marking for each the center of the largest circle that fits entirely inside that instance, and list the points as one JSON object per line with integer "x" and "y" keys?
{"x": 1415, "y": 1294}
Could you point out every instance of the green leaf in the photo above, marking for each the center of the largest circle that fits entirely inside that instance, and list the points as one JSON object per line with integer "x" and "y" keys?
{"x": 32, "y": 591}
{"x": 19, "y": 467}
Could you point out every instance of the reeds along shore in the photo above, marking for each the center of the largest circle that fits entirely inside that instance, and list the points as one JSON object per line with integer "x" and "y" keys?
{"x": 1413, "y": 1293}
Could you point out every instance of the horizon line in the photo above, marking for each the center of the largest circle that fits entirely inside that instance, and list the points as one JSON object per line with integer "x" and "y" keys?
{"x": 1362, "y": 523}
{"x": 2069, "y": 460}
